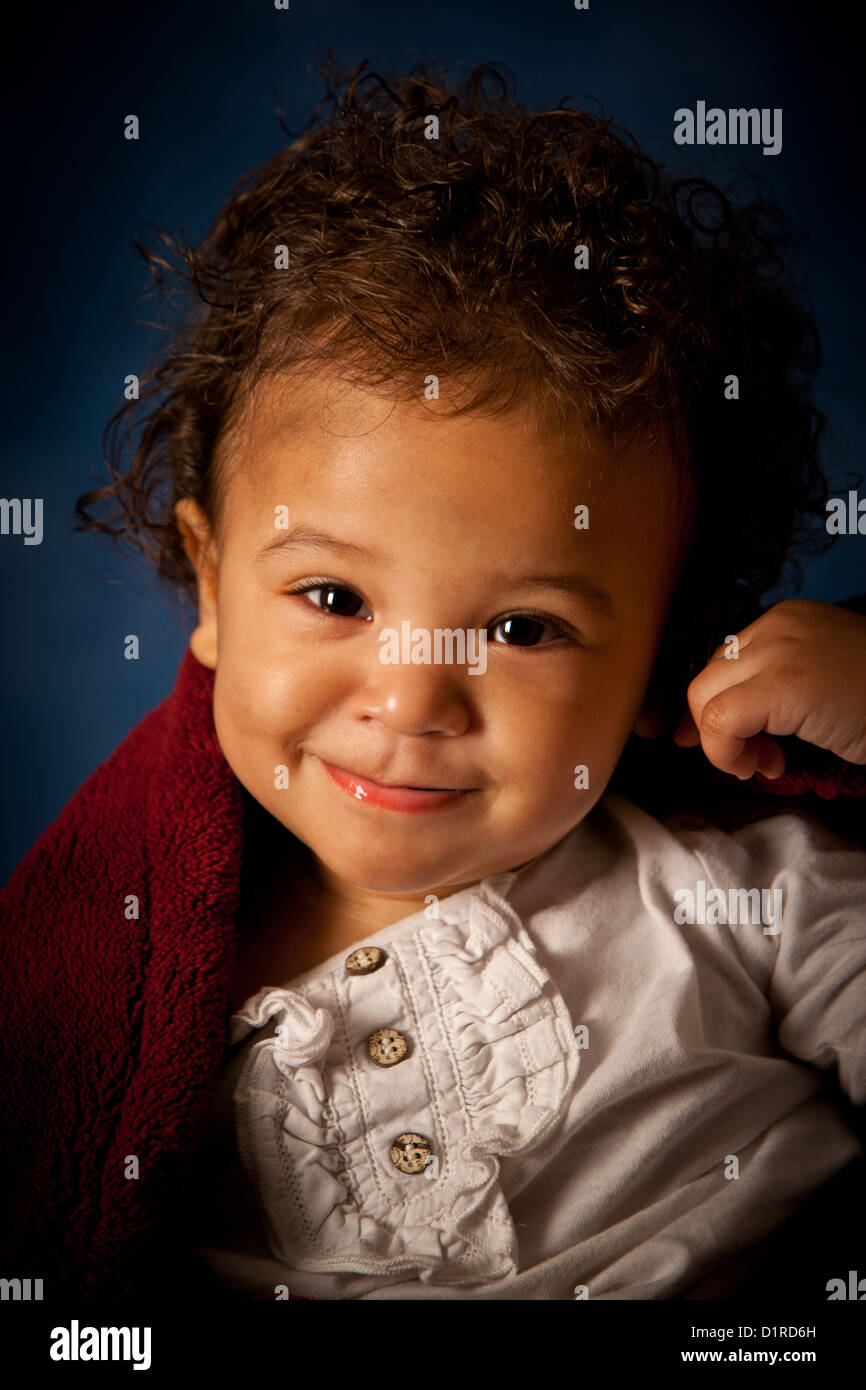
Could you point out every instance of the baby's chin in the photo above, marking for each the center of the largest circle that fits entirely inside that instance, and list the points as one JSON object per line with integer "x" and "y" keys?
{"x": 396, "y": 877}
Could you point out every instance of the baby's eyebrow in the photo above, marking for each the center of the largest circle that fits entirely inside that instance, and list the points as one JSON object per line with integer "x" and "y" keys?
{"x": 298, "y": 536}
{"x": 576, "y": 584}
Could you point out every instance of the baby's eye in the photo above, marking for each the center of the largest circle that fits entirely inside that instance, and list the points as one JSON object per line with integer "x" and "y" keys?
{"x": 523, "y": 629}
{"x": 337, "y": 600}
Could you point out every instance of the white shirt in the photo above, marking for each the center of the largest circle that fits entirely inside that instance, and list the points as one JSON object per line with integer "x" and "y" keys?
{"x": 604, "y": 1087}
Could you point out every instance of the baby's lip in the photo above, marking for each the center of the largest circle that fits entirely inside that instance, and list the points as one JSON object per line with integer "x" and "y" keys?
{"x": 409, "y": 782}
{"x": 414, "y": 784}
{"x": 395, "y": 797}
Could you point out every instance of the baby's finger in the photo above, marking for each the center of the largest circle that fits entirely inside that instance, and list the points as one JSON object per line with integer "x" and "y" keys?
{"x": 731, "y": 717}
{"x": 718, "y": 675}
{"x": 768, "y": 757}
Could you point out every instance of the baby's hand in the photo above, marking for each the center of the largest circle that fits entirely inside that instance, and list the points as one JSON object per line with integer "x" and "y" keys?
{"x": 801, "y": 670}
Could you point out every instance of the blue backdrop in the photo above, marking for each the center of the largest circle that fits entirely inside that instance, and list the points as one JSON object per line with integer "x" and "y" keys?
{"x": 202, "y": 79}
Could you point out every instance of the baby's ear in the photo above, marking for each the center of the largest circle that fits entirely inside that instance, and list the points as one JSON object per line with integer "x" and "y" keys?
{"x": 200, "y": 547}
{"x": 650, "y": 719}
{"x": 662, "y": 703}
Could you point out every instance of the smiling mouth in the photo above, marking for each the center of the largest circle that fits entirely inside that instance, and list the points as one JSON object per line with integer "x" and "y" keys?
{"x": 394, "y": 796}
{"x": 395, "y": 786}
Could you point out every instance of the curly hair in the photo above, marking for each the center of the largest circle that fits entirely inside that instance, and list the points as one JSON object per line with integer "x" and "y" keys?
{"x": 459, "y": 250}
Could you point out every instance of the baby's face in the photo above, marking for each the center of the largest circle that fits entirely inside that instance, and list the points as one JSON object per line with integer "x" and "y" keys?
{"x": 461, "y": 523}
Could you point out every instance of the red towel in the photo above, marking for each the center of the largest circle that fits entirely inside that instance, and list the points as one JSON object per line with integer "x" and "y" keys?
{"x": 111, "y": 1025}
{"x": 114, "y": 1026}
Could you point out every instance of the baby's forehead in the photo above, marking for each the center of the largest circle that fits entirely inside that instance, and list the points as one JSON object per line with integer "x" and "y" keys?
{"x": 389, "y": 487}
{"x": 418, "y": 488}
{"x": 283, "y": 420}
{"x": 369, "y": 457}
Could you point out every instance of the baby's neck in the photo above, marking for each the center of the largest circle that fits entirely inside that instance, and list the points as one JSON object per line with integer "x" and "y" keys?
{"x": 371, "y": 911}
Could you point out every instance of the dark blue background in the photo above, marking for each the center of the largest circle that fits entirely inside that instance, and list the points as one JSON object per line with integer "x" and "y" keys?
{"x": 202, "y": 78}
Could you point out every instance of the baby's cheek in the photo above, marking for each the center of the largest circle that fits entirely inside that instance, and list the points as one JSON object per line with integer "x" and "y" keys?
{"x": 576, "y": 760}
{"x": 257, "y": 669}
{"x": 255, "y": 703}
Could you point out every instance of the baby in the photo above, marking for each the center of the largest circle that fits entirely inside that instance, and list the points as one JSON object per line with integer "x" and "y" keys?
{"x": 467, "y": 377}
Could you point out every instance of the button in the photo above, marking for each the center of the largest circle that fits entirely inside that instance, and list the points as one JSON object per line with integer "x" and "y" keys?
{"x": 365, "y": 960}
{"x": 387, "y": 1047}
{"x": 411, "y": 1152}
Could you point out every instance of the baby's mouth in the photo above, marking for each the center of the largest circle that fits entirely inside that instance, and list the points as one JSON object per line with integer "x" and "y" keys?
{"x": 394, "y": 796}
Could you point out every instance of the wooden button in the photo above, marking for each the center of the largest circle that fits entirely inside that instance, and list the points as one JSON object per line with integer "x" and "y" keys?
{"x": 411, "y": 1152}
{"x": 387, "y": 1047}
{"x": 365, "y": 960}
